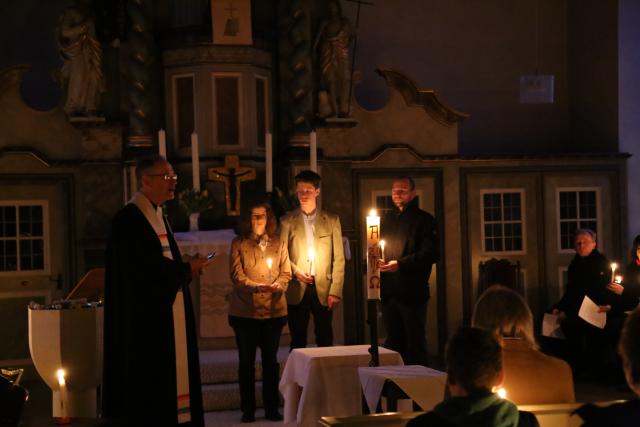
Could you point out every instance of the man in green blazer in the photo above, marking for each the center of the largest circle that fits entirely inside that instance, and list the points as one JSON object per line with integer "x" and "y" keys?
{"x": 314, "y": 238}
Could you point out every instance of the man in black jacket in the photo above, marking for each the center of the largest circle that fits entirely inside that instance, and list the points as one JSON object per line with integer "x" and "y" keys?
{"x": 411, "y": 248}
{"x": 588, "y": 276}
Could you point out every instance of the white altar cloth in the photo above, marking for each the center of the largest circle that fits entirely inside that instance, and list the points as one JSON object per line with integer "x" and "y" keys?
{"x": 215, "y": 281}
{"x": 323, "y": 381}
{"x": 423, "y": 385}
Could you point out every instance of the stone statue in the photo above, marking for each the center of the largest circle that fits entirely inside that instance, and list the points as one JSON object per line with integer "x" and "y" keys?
{"x": 82, "y": 68}
{"x": 332, "y": 46}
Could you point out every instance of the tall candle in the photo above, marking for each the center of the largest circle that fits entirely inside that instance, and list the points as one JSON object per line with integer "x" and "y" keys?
{"x": 269, "y": 265}
{"x": 613, "y": 270}
{"x": 311, "y": 255}
{"x": 313, "y": 152}
{"x": 63, "y": 393}
{"x": 268, "y": 152}
{"x": 162, "y": 143}
{"x": 373, "y": 254}
{"x": 382, "y": 243}
{"x": 195, "y": 161}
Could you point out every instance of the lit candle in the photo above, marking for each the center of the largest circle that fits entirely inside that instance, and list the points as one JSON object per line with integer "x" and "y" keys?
{"x": 269, "y": 264}
{"x": 312, "y": 255}
{"x": 502, "y": 393}
{"x": 382, "y": 243}
{"x": 617, "y": 279}
{"x": 373, "y": 245}
{"x": 63, "y": 394}
{"x": 162, "y": 143}
{"x": 195, "y": 161}
{"x": 268, "y": 152}
{"x": 313, "y": 152}
{"x": 613, "y": 269}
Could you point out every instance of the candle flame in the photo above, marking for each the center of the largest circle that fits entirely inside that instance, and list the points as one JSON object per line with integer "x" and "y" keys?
{"x": 614, "y": 265}
{"x": 618, "y": 279}
{"x": 373, "y": 212}
{"x": 382, "y": 243}
{"x": 60, "y": 374}
{"x": 311, "y": 254}
{"x": 502, "y": 393}
{"x": 269, "y": 263}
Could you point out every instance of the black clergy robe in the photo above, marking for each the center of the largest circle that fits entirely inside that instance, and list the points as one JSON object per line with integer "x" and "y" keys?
{"x": 139, "y": 383}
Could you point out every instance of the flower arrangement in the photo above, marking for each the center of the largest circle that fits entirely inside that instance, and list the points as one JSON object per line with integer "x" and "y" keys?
{"x": 195, "y": 201}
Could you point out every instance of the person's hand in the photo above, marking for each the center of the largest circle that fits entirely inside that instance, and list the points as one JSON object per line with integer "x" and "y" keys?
{"x": 616, "y": 288}
{"x": 332, "y": 301}
{"x": 304, "y": 277}
{"x": 268, "y": 288}
{"x": 604, "y": 308}
{"x": 198, "y": 263}
{"x": 390, "y": 267}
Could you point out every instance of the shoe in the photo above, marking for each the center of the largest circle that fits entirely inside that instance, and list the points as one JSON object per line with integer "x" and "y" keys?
{"x": 273, "y": 415}
{"x": 248, "y": 418}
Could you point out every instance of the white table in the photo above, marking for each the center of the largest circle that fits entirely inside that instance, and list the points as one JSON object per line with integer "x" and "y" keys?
{"x": 324, "y": 381}
{"x": 215, "y": 282}
{"x": 423, "y": 385}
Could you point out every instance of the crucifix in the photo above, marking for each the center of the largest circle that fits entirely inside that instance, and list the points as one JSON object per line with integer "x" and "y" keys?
{"x": 231, "y": 174}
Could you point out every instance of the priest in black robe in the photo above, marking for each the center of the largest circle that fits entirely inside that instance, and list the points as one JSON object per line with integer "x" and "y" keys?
{"x": 151, "y": 364}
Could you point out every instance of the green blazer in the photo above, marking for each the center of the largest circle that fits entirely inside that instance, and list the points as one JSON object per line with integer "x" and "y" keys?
{"x": 329, "y": 254}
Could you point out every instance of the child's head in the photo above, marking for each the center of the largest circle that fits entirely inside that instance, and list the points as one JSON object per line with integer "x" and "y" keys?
{"x": 474, "y": 360}
{"x": 629, "y": 348}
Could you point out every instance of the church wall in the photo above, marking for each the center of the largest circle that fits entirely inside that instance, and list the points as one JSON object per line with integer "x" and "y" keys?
{"x": 473, "y": 53}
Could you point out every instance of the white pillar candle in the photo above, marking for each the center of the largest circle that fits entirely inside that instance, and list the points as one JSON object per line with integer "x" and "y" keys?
{"x": 162, "y": 143}
{"x": 313, "y": 152}
{"x": 63, "y": 393}
{"x": 613, "y": 270}
{"x": 268, "y": 152}
{"x": 269, "y": 265}
{"x": 382, "y": 243}
{"x": 373, "y": 254}
{"x": 312, "y": 255}
{"x": 195, "y": 161}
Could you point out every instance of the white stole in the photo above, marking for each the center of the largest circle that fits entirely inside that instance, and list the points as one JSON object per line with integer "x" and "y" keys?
{"x": 155, "y": 218}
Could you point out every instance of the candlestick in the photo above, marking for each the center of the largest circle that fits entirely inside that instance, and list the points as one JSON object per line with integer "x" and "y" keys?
{"x": 382, "y": 243}
{"x": 313, "y": 152}
{"x": 373, "y": 255}
{"x": 269, "y": 264}
{"x": 268, "y": 152}
{"x": 195, "y": 161}
{"x": 613, "y": 269}
{"x": 162, "y": 143}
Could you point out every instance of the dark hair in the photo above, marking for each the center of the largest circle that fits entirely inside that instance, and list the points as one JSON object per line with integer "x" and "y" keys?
{"x": 412, "y": 183}
{"x": 474, "y": 359}
{"x": 309, "y": 177}
{"x": 629, "y": 347}
{"x": 146, "y": 163}
{"x": 634, "y": 248}
{"x": 245, "y": 221}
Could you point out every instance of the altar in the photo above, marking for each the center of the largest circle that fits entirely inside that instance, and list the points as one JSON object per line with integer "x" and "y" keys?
{"x": 210, "y": 292}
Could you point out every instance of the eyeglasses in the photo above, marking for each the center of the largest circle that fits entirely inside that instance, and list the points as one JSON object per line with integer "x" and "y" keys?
{"x": 166, "y": 176}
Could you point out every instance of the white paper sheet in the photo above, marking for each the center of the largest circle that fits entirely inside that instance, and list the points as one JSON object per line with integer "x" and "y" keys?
{"x": 551, "y": 326}
{"x": 589, "y": 312}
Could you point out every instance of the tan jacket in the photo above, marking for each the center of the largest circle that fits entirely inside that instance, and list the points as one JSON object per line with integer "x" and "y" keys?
{"x": 249, "y": 269}
{"x": 329, "y": 254}
{"x": 531, "y": 377}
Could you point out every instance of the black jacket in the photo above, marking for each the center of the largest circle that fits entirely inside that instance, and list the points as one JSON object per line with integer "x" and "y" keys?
{"x": 616, "y": 415}
{"x": 139, "y": 383}
{"x": 631, "y": 282}
{"x": 588, "y": 276}
{"x": 411, "y": 237}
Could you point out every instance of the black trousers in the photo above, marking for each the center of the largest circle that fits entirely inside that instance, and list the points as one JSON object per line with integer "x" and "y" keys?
{"x": 299, "y": 320}
{"x": 251, "y": 334}
{"x": 406, "y": 331}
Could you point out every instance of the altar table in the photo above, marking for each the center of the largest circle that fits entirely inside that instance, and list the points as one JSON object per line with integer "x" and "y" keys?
{"x": 212, "y": 305}
{"x": 323, "y": 381}
{"x": 423, "y": 385}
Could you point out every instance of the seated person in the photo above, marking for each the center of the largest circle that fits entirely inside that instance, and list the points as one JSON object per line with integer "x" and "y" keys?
{"x": 625, "y": 413}
{"x": 588, "y": 275}
{"x": 474, "y": 366}
{"x": 506, "y": 314}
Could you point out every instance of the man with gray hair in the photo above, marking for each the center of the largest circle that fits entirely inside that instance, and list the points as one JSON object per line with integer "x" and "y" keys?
{"x": 588, "y": 276}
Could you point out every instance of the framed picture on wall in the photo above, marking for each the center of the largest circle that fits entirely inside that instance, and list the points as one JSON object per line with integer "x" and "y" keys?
{"x": 231, "y": 22}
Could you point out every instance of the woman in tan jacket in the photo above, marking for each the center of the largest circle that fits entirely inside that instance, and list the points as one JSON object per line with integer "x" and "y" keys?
{"x": 260, "y": 272}
{"x": 530, "y": 376}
